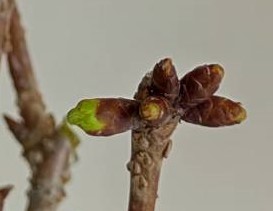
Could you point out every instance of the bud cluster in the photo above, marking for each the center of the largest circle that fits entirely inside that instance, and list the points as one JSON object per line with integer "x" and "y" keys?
{"x": 160, "y": 97}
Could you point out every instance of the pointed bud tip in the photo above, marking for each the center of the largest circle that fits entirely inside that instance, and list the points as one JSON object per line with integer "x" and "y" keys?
{"x": 241, "y": 116}
{"x": 167, "y": 67}
{"x": 217, "y": 69}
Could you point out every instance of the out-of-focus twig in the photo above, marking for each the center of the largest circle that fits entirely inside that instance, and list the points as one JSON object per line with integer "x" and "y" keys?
{"x": 45, "y": 147}
{"x": 4, "y": 191}
{"x": 6, "y": 7}
{"x": 5, "y": 15}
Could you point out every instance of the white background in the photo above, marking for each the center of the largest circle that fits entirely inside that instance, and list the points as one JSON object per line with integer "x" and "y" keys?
{"x": 102, "y": 48}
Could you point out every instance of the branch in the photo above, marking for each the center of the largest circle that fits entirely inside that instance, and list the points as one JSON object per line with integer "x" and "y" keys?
{"x": 3, "y": 194}
{"x": 45, "y": 147}
{"x": 6, "y": 7}
{"x": 149, "y": 146}
{"x": 5, "y": 15}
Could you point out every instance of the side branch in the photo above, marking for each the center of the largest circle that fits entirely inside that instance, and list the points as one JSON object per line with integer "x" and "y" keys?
{"x": 45, "y": 147}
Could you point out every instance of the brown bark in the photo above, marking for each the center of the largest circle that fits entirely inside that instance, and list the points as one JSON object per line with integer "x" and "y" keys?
{"x": 45, "y": 148}
{"x": 150, "y": 144}
{"x": 6, "y": 7}
{"x": 149, "y": 147}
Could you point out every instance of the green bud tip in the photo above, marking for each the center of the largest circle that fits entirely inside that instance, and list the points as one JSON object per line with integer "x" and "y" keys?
{"x": 84, "y": 115}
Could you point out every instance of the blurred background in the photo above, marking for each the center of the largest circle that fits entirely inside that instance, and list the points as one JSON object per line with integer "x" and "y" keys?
{"x": 102, "y": 48}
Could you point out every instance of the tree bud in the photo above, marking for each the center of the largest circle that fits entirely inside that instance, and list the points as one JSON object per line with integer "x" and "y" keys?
{"x": 164, "y": 79}
{"x": 154, "y": 110}
{"x": 104, "y": 116}
{"x": 215, "y": 112}
{"x": 200, "y": 84}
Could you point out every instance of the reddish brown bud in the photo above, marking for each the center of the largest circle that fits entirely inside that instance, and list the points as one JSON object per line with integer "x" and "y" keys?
{"x": 164, "y": 79}
{"x": 200, "y": 84}
{"x": 215, "y": 112}
{"x": 154, "y": 110}
{"x": 104, "y": 116}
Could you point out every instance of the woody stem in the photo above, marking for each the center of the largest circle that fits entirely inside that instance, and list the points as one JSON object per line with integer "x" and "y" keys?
{"x": 149, "y": 147}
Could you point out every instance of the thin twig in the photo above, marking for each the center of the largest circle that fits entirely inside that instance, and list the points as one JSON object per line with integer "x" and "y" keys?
{"x": 45, "y": 148}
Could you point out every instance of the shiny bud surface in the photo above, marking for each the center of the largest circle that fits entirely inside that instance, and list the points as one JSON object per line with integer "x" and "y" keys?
{"x": 215, "y": 112}
{"x": 200, "y": 84}
{"x": 165, "y": 80}
{"x": 104, "y": 116}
